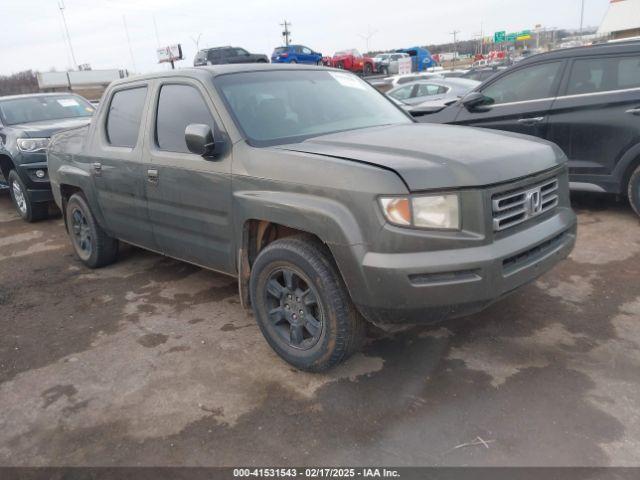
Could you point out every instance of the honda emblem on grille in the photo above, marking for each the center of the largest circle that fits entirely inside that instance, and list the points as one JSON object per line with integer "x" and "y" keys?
{"x": 533, "y": 202}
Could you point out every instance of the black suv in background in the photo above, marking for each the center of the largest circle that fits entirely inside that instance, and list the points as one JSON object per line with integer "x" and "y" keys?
{"x": 221, "y": 55}
{"x": 586, "y": 100}
{"x": 26, "y": 123}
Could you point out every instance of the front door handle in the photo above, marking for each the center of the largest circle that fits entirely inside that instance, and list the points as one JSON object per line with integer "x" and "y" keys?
{"x": 633, "y": 111}
{"x": 531, "y": 121}
{"x": 97, "y": 168}
{"x": 152, "y": 176}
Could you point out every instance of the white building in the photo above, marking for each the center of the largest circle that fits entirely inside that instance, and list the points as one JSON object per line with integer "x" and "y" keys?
{"x": 622, "y": 20}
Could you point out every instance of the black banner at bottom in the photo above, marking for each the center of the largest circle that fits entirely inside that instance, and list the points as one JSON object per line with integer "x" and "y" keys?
{"x": 346, "y": 473}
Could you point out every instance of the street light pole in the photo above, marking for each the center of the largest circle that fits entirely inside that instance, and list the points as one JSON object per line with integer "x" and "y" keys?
{"x": 61, "y": 6}
{"x": 581, "y": 16}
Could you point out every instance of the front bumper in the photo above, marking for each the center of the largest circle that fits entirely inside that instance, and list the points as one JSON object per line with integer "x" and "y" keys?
{"x": 429, "y": 287}
{"x": 38, "y": 189}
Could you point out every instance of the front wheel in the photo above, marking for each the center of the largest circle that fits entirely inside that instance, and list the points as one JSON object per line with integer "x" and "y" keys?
{"x": 368, "y": 69}
{"x": 633, "y": 190}
{"x": 90, "y": 242}
{"x": 302, "y": 305}
{"x": 27, "y": 209}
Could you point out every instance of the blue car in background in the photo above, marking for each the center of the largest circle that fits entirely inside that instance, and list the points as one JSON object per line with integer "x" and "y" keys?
{"x": 421, "y": 58}
{"x": 296, "y": 54}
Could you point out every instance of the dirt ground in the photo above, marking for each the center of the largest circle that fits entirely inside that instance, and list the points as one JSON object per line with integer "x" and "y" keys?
{"x": 153, "y": 362}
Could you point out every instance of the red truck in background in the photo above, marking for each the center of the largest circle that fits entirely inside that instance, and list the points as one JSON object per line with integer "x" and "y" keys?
{"x": 351, "y": 60}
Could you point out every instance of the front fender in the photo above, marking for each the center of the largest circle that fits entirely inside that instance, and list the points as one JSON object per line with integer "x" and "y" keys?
{"x": 76, "y": 177}
{"x": 325, "y": 218}
{"x": 328, "y": 219}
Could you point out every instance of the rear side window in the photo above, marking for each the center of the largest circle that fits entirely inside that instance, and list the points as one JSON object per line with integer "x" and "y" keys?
{"x": 179, "y": 106}
{"x": 428, "y": 89}
{"x": 402, "y": 93}
{"x": 592, "y": 75}
{"x": 529, "y": 83}
{"x": 123, "y": 119}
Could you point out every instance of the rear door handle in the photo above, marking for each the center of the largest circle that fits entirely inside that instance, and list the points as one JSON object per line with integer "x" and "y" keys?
{"x": 152, "y": 175}
{"x": 633, "y": 111}
{"x": 97, "y": 168}
{"x": 531, "y": 121}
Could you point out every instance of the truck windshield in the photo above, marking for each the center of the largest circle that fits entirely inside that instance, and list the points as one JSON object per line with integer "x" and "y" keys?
{"x": 280, "y": 107}
{"x": 43, "y": 108}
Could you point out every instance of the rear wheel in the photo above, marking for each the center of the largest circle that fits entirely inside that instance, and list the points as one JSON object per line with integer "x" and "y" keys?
{"x": 633, "y": 191}
{"x": 91, "y": 244}
{"x": 302, "y": 306}
{"x": 293, "y": 61}
{"x": 368, "y": 69}
{"x": 27, "y": 209}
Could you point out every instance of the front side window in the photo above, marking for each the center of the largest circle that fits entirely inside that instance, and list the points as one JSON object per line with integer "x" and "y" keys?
{"x": 179, "y": 106}
{"x": 124, "y": 116}
{"x": 306, "y": 51}
{"x": 529, "y": 83}
{"x": 42, "y": 108}
{"x": 241, "y": 52}
{"x": 277, "y": 107}
{"x": 592, "y": 75}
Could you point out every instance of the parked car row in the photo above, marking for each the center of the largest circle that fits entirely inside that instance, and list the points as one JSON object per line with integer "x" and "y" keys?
{"x": 350, "y": 59}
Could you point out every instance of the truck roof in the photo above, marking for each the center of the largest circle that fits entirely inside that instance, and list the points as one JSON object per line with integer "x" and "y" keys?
{"x": 217, "y": 70}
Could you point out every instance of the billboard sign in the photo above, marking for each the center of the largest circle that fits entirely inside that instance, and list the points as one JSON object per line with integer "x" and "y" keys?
{"x": 170, "y": 53}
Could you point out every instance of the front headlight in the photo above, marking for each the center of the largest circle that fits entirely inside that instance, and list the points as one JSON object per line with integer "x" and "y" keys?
{"x": 438, "y": 212}
{"x": 32, "y": 145}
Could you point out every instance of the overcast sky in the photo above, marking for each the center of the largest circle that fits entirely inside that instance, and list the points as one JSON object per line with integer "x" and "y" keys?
{"x": 32, "y": 35}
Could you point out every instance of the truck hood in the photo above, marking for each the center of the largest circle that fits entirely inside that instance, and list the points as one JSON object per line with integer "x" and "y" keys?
{"x": 432, "y": 156}
{"x": 49, "y": 127}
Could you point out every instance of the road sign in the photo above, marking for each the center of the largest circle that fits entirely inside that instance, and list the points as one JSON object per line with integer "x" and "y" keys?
{"x": 499, "y": 37}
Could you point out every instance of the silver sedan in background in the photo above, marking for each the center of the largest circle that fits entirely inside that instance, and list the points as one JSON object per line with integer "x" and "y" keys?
{"x": 430, "y": 95}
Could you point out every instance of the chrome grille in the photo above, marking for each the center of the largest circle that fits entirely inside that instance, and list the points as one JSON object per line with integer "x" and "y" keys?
{"x": 517, "y": 206}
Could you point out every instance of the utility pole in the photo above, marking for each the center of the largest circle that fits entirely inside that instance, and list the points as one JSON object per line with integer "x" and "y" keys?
{"x": 61, "y": 6}
{"x": 370, "y": 33}
{"x": 126, "y": 32}
{"x": 286, "y": 33}
{"x": 455, "y": 46}
{"x": 581, "y": 16}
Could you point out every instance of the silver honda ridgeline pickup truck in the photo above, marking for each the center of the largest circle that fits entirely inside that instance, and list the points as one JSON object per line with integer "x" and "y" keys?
{"x": 329, "y": 204}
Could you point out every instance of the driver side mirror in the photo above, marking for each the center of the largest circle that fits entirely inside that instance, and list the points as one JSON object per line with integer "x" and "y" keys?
{"x": 475, "y": 101}
{"x": 199, "y": 139}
